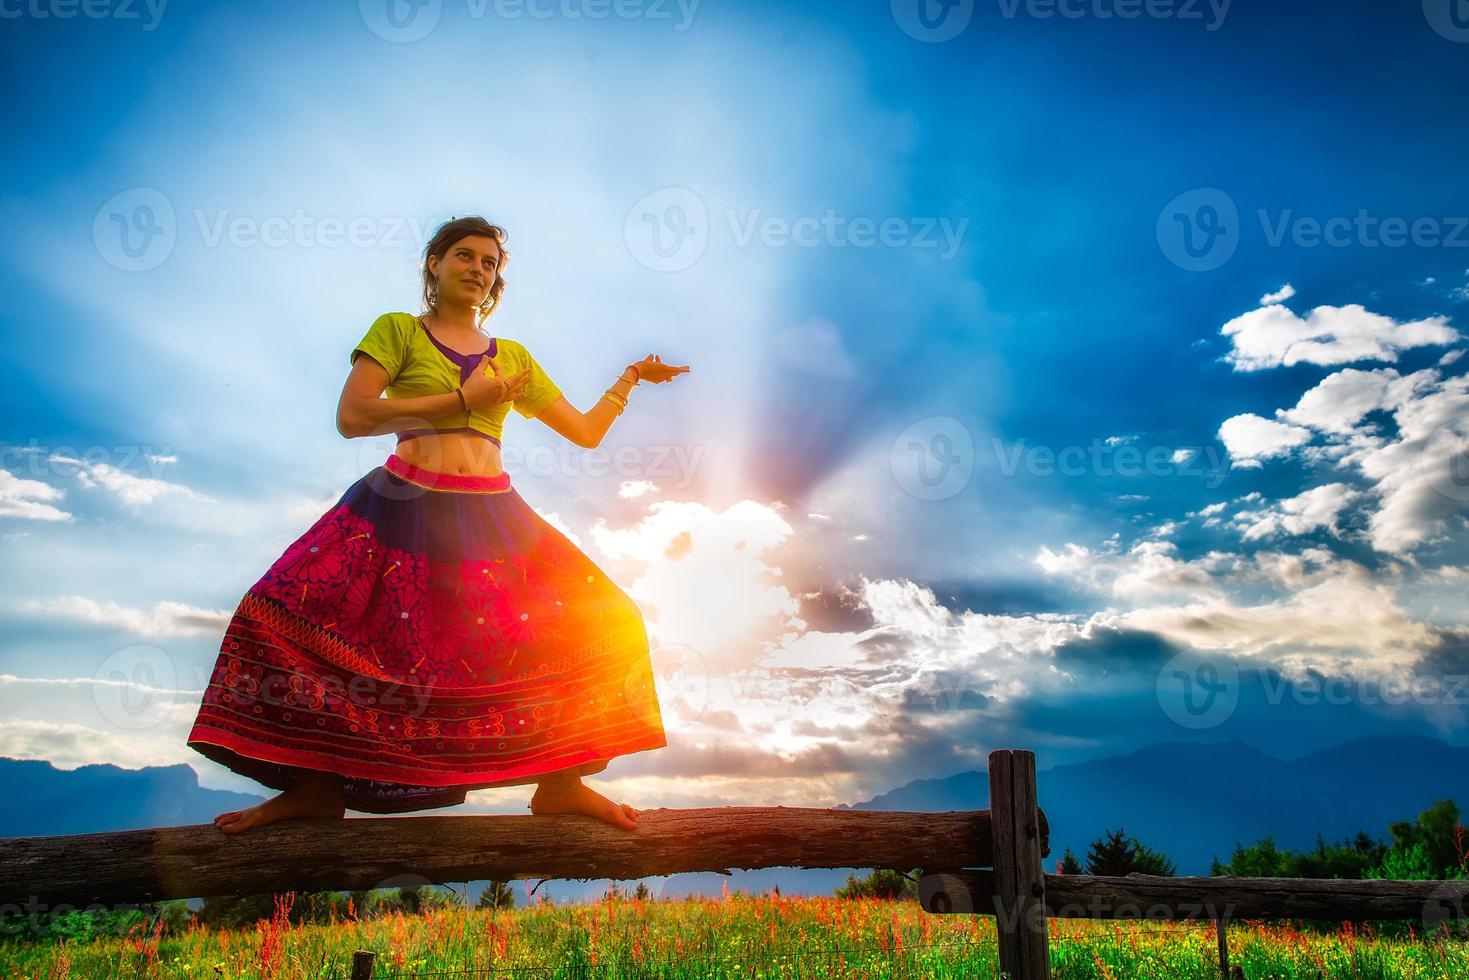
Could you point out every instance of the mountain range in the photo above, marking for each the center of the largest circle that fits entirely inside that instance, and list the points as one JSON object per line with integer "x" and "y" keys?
{"x": 1192, "y": 801}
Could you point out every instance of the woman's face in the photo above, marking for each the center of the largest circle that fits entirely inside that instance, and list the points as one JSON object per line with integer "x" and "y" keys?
{"x": 468, "y": 270}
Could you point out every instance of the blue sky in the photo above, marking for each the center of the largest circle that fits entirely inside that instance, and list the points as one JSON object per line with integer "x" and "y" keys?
{"x": 1212, "y": 258}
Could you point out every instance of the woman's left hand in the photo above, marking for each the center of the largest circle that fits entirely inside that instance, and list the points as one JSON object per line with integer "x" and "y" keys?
{"x": 652, "y": 369}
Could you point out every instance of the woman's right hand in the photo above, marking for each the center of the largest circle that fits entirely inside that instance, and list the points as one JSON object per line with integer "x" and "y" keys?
{"x": 483, "y": 390}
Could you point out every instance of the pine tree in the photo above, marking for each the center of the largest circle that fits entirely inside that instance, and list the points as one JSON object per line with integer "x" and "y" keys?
{"x": 1118, "y": 854}
{"x": 1068, "y": 865}
{"x": 497, "y": 895}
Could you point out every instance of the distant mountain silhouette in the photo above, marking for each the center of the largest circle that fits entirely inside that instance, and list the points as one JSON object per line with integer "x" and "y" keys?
{"x": 1191, "y": 800}
{"x": 39, "y": 800}
{"x": 1195, "y": 800}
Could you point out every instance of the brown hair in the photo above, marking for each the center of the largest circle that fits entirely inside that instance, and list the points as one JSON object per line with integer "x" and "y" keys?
{"x": 444, "y": 239}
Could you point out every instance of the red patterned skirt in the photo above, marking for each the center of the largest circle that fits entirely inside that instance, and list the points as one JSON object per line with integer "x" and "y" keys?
{"x": 429, "y": 635}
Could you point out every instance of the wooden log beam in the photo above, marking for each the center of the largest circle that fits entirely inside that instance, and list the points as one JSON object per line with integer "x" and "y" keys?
{"x": 359, "y": 853}
{"x": 1156, "y": 897}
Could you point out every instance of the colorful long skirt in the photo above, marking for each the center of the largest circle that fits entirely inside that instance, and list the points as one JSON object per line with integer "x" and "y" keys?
{"x": 429, "y": 635}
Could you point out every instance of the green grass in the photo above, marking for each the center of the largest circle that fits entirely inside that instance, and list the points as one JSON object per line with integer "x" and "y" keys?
{"x": 734, "y": 936}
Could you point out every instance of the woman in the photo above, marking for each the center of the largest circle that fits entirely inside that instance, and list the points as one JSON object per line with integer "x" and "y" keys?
{"x": 431, "y": 633}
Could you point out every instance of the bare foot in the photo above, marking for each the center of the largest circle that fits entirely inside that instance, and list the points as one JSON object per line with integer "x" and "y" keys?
{"x": 573, "y": 796}
{"x": 312, "y": 796}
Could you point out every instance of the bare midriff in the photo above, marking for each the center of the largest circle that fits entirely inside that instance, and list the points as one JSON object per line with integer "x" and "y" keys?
{"x": 452, "y": 452}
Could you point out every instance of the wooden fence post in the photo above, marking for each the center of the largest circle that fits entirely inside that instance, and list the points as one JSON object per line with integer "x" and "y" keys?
{"x": 362, "y": 964}
{"x": 1020, "y": 883}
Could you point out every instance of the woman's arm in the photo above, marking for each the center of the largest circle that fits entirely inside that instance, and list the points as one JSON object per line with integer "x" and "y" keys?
{"x": 586, "y": 429}
{"x": 362, "y": 411}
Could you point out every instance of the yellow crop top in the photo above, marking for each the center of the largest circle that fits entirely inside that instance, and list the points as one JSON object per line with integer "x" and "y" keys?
{"x": 417, "y": 364}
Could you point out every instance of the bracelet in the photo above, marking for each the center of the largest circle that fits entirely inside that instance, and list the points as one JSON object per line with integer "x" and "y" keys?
{"x": 462, "y": 406}
{"x": 637, "y": 376}
{"x": 616, "y": 398}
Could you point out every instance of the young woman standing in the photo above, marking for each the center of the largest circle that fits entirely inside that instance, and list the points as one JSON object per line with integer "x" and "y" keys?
{"x": 431, "y": 633}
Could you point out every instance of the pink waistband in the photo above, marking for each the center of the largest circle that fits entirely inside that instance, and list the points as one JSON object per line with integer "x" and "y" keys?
{"x": 432, "y": 480}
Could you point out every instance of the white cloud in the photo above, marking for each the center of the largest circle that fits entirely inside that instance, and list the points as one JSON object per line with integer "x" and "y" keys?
{"x": 1250, "y": 438}
{"x": 632, "y": 489}
{"x": 1339, "y": 618}
{"x": 1338, "y": 403}
{"x": 1319, "y": 507}
{"x": 1421, "y": 477}
{"x": 166, "y": 619}
{"x": 1273, "y": 336}
{"x": 1284, "y": 293}
{"x": 23, "y": 498}
{"x": 67, "y": 746}
{"x": 133, "y": 492}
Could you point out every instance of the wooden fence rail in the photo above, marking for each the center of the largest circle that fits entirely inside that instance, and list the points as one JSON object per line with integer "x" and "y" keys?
{"x": 1138, "y": 896}
{"x": 358, "y": 853}
{"x": 975, "y": 862}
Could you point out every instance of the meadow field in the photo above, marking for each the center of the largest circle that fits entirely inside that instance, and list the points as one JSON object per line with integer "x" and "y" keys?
{"x": 737, "y": 935}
